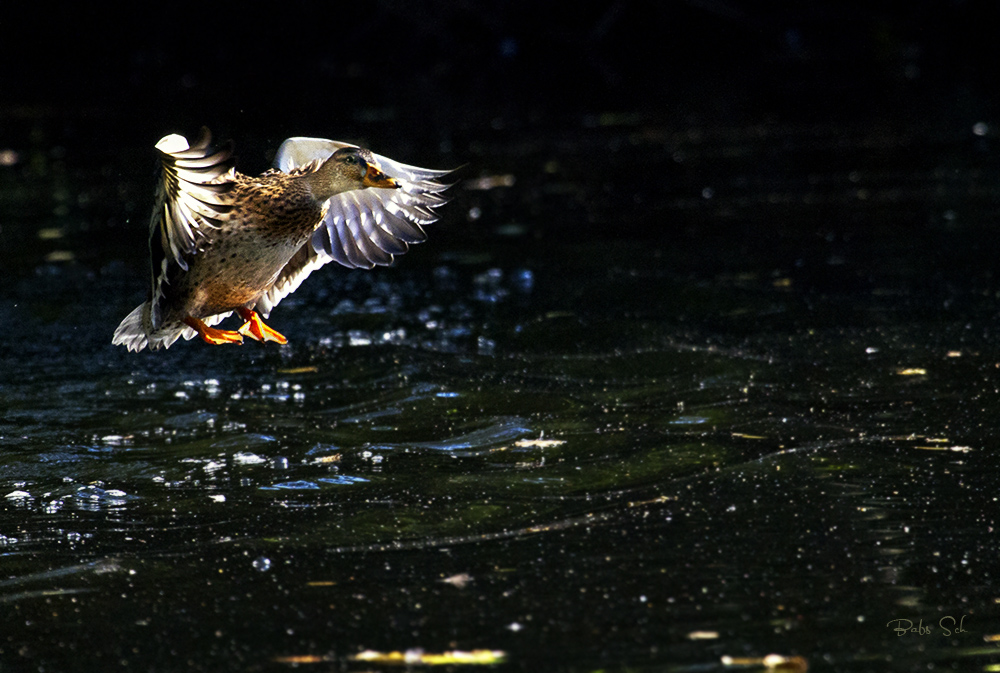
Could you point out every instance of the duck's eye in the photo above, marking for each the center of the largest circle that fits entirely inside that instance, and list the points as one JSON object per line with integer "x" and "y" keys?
{"x": 348, "y": 156}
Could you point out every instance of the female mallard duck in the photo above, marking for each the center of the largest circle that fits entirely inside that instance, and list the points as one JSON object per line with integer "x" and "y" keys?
{"x": 222, "y": 242}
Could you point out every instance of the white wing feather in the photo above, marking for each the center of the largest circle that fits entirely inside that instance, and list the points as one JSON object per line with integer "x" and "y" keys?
{"x": 362, "y": 228}
{"x": 192, "y": 197}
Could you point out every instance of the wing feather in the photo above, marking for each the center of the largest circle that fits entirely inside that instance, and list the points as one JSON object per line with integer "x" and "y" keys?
{"x": 362, "y": 228}
{"x": 192, "y": 197}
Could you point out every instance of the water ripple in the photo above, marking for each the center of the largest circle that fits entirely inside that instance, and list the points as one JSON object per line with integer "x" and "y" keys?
{"x": 477, "y": 441}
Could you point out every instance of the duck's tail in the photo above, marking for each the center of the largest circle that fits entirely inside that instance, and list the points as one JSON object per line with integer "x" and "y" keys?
{"x": 131, "y": 333}
{"x": 135, "y": 331}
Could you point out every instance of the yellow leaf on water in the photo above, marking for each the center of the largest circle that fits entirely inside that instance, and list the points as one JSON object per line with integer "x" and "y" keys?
{"x": 301, "y": 659}
{"x": 538, "y": 443}
{"x": 772, "y": 662}
{"x": 51, "y": 233}
{"x": 411, "y": 657}
{"x": 60, "y": 256}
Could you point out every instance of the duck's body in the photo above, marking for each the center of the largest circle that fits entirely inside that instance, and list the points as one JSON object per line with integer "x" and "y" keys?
{"x": 222, "y": 242}
{"x": 237, "y": 263}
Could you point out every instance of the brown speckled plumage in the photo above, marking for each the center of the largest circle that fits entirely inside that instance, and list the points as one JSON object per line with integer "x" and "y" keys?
{"x": 210, "y": 287}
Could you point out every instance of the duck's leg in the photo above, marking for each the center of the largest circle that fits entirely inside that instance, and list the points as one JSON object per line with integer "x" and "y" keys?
{"x": 212, "y": 335}
{"x": 255, "y": 328}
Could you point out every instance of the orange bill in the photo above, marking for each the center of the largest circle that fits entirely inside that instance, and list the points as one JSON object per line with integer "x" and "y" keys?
{"x": 376, "y": 178}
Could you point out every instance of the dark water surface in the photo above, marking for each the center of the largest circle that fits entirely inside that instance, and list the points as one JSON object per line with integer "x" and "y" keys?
{"x": 663, "y": 396}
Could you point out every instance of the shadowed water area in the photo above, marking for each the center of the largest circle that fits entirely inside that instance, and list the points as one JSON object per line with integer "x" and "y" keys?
{"x": 662, "y": 391}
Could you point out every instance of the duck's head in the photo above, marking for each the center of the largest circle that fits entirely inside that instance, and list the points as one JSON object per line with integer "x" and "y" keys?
{"x": 346, "y": 169}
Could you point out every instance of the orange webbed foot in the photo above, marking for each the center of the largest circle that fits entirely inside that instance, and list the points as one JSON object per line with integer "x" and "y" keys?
{"x": 255, "y": 328}
{"x": 212, "y": 335}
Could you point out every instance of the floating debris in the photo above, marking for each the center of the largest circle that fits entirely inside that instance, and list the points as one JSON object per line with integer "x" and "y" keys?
{"x": 51, "y": 233}
{"x": 302, "y": 659}
{"x": 461, "y": 580}
{"x": 772, "y": 662}
{"x": 490, "y": 182}
{"x": 538, "y": 443}
{"x": 60, "y": 256}
{"x": 654, "y": 501}
{"x": 417, "y": 656}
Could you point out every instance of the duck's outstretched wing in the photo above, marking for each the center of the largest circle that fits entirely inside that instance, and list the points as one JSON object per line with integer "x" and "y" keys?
{"x": 192, "y": 197}
{"x": 362, "y": 228}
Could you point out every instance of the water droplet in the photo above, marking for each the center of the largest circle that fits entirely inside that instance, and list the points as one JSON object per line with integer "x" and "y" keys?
{"x": 485, "y": 346}
{"x": 523, "y": 280}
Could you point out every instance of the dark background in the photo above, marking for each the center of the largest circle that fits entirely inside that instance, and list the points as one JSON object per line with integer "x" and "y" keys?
{"x": 557, "y": 92}
{"x": 431, "y": 75}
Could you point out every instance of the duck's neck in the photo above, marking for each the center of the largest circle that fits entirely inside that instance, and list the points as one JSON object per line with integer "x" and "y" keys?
{"x": 327, "y": 181}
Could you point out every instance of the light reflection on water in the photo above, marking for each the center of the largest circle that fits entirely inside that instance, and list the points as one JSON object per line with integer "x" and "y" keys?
{"x": 614, "y": 454}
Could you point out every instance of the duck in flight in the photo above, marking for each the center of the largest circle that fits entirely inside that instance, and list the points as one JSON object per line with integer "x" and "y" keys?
{"x": 222, "y": 242}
